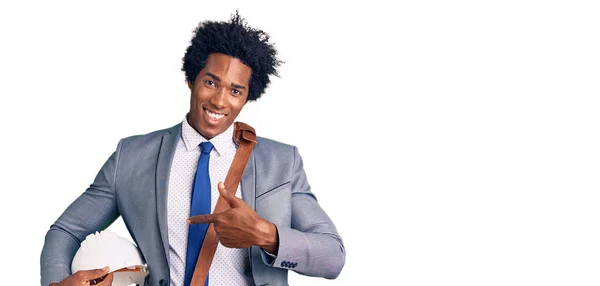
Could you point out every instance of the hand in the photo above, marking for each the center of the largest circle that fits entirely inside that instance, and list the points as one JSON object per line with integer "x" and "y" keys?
{"x": 240, "y": 226}
{"x": 87, "y": 277}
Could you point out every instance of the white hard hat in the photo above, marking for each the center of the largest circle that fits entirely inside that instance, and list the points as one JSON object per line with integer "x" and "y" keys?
{"x": 106, "y": 248}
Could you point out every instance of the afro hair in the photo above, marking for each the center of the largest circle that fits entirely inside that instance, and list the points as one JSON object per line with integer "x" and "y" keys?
{"x": 236, "y": 39}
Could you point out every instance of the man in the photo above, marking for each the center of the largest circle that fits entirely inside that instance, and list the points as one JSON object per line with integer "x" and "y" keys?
{"x": 274, "y": 222}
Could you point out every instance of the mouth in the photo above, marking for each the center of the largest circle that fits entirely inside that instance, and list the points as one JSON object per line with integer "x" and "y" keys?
{"x": 214, "y": 116}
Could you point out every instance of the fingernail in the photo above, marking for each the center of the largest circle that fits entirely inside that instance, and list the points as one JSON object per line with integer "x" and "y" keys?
{"x": 188, "y": 221}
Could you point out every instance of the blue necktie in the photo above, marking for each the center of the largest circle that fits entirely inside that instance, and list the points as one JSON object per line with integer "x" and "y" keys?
{"x": 200, "y": 205}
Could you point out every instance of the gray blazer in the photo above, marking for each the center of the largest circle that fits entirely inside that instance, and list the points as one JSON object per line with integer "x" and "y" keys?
{"x": 133, "y": 184}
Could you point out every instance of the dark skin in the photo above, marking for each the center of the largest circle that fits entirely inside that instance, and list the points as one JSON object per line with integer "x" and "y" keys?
{"x": 240, "y": 226}
{"x": 221, "y": 88}
{"x": 85, "y": 277}
{"x": 217, "y": 97}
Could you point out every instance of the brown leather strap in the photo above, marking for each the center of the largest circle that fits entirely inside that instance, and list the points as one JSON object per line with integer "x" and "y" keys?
{"x": 245, "y": 137}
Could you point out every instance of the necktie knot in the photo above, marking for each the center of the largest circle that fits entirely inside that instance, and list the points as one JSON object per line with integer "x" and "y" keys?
{"x": 206, "y": 147}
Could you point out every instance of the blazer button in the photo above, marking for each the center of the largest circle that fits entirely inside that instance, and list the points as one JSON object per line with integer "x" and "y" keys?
{"x": 162, "y": 282}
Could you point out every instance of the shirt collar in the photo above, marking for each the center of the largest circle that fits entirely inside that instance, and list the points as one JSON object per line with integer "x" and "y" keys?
{"x": 191, "y": 138}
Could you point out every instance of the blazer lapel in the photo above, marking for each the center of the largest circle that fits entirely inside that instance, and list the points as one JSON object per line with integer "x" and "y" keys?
{"x": 163, "y": 170}
{"x": 248, "y": 183}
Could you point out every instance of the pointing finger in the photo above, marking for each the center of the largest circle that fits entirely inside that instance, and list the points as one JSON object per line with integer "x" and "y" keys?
{"x": 207, "y": 218}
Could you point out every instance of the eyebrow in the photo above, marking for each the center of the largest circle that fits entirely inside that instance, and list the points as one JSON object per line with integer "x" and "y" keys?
{"x": 238, "y": 86}
{"x": 218, "y": 79}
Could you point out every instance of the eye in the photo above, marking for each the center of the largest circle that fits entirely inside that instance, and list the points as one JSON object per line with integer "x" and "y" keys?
{"x": 235, "y": 92}
{"x": 209, "y": 82}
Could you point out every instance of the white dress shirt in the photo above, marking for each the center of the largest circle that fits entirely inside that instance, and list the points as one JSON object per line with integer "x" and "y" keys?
{"x": 230, "y": 265}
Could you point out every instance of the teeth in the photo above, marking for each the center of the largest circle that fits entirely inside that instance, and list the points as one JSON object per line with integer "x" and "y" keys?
{"x": 214, "y": 115}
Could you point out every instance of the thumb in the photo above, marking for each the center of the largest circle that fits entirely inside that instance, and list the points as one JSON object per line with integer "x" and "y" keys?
{"x": 94, "y": 273}
{"x": 230, "y": 198}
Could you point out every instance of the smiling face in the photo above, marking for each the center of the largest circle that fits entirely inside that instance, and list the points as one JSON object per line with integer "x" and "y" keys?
{"x": 218, "y": 94}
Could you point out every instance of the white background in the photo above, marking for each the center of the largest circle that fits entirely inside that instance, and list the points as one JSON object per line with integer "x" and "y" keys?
{"x": 452, "y": 142}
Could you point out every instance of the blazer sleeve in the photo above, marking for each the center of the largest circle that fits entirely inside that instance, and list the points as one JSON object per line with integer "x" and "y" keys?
{"x": 312, "y": 246}
{"x": 94, "y": 210}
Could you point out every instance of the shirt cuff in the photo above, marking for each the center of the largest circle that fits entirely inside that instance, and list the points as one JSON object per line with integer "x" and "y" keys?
{"x": 267, "y": 257}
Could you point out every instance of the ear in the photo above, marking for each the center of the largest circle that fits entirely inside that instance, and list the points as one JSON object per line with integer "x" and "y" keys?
{"x": 190, "y": 84}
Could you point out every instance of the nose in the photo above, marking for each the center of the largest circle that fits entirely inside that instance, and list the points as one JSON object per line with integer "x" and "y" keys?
{"x": 219, "y": 98}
